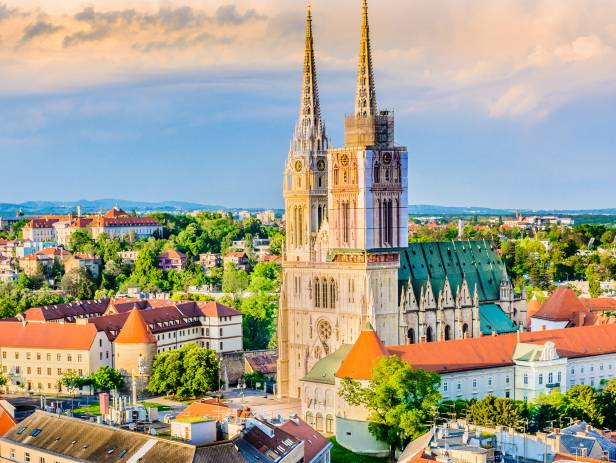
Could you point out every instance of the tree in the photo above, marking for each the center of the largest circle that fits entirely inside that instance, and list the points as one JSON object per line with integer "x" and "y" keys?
{"x": 72, "y": 382}
{"x": 234, "y": 281}
{"x": 582, "y": 403}
{"x": 400, "y": 400}
{"x": 608, "y": 401}
{"x": 79, "y": 284}
{"x": 190, "y": 371}
{"x": 3, "y": 380}
{"x": 106, "y": 379}
{"x": 80, "y": 241}
{"x": 496, "y": 411}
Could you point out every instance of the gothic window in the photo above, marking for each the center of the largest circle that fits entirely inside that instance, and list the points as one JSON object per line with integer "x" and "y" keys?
{"x": 411, "y": 335}
{"x": 325, "y": 330}
{"x": 429, "y": 337}
{"x": 319, "y": 422}
{"x": 377, "y": 173}
{"x": 387, "y": 175}
{"x": 447, "y": 333}
{"x": 317, "y": 293}
{"x": 319, "y": 214}
{"x": 332, "y": 296}
{"x": 324, "y": 293}
{"x": 320, "y": 183}
{"x": 464, "y": 330}
{"x": 336, "y": 175}
{"x": 329, "y": 424}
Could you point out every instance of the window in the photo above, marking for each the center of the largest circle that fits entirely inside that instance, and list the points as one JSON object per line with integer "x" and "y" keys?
{"x": 59, "y": 357}
{"x": 16, "y": 355}
{"x": 221, "y": 332}
{"x": 28, "y": 370}
{"x": 48, "y": 371}
{"x": 79, "y": 358}
{"x": 601, "y": 367}
{"x": 559, "y": 376}
{"x": 507, "y": 380}
{"x": 489, "y": 381}
{"x": 573, "y": 370}
{"x": 459, "y": 386}
{"x": 38, "y": 355}
{"x": 26, "y": 456}
{"x": 49, "y": 357}
{"x": 445, "y": 386}
{"x": 12, "y": 454}
{"x": 59, "y": 371}
{"x": 540, "y": 378}
{"x": 221, "y": 344}
{"x": 3, "y": 355}
{"x": 582, "y": 370}
{"x": 27, "y": 355}
{"x": 550, "y": 378}
{"x": 38, "y": 371}
{"x": 69, "y": 357}
{"x": 474, "y": 383}
{"x": 525, "y": 378}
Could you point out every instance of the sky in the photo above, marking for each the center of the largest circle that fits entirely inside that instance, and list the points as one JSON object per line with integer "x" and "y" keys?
{"x": 508, "y": 103}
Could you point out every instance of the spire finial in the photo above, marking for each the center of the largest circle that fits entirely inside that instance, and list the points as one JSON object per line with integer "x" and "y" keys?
{"x": 365, "y": 99}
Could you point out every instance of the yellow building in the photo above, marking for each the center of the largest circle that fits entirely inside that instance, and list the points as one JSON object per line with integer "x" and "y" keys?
{"x": 34, "y": 356}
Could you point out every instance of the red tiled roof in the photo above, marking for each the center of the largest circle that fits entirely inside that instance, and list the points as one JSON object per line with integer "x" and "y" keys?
{"x": 216, "y": 309}
{"x": 54, "y": 252}
{"x": 279, "y": 443}
{"x": 81, "y": 222}
{"x": 135, "y": 330}
{"x": 562, "y": 305}
{"x": 125, "y": 222}
{"x": 362, "y": 357}
{"x": 599, "y": 304}
{"x": 47, "y": 335}
{"x": 264, "y": 362}
{"x": 532, "y": 308}
{"x": 496, "y": 351}
{"x": 172, "y": 254}
{"x": 314, "y": 442}
{"x": 208, "y": 409}
{"x": 115, "y": 212}
{"x": 41, "y": 223}
{"x": 6, "y": 422}
{"x": 236, "y": 254}
{"x": 67, "y": 311}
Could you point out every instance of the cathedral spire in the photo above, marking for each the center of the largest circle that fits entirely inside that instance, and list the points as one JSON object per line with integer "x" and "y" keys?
{"x": 309, "y": 133}
{"x": 365, "y": 99}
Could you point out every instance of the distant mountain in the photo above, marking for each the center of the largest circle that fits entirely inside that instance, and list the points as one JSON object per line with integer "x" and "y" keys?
{"x": 100, "y": 205}
{"x": 427, "y": 209}
{"x": 103, "y": 205}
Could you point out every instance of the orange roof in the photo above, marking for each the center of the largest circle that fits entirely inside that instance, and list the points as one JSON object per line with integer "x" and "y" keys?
{"x": 362, "y": 358}
{"x": 6, "y": 422}
{"x": 562, "y": 305}
{"x": 47, "y": 335}
{"x": 599, "y": 303}
{"x": 497, "y": 351}
{"x": 208, "y": 409}
{"x": 532, "y": 308}
{"x": 115, "y": 212}
{"x": 216, "y": 309}
{"x": 135, "y": 330}
{"x": 172, "y": 254}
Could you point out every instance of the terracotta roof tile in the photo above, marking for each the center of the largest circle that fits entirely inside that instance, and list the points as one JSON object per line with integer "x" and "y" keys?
{"x": 135, "y": 330}
{"x": 532, "y": 308}
{"x": 172, "y": 254}
{"x": 209, "y": 409}
{"x": 599, "y": 303}
{"x": 496, "y": 351}
{"x": 362, "y": 357}
{"x": 216, "y": 309}
{"x": 47, "y": 335}
{"x": 562, "y": 305}
{"x": 314, "y": 442}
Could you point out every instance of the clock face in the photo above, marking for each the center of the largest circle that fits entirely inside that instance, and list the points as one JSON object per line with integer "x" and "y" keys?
{"x": 387, "y": 158}
{"x": 320, "y": 165}
{"x": 298, "y": 166}
{"x": 344, "y": 160}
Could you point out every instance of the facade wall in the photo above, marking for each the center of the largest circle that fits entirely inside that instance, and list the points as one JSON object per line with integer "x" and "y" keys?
{"x": 537, "y": 324}
{"x": 355, "y": 436}
{"x": 39, "y": 370}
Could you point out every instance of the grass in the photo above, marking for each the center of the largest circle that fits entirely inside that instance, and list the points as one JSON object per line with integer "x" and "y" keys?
{"x": 92, "y": 409}
{"x": 341, "y": 455}
{"x": 161, "y": 408}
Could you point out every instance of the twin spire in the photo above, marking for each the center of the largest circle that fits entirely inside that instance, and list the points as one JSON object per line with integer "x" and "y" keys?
{"x": 310, "y": 133}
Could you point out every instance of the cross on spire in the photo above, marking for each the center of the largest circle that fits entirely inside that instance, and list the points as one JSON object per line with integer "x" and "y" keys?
{"x": 365, "y": 98}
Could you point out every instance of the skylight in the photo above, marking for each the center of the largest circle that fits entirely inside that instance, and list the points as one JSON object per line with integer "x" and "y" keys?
{"x": 36, "y": 432}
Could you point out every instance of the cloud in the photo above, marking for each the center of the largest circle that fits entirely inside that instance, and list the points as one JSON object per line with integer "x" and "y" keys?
{"x": 97, "y": 33}
{"x": 182, "y": 42}
{"x": 228, "y": 14}
{"x": 516, "y": 101}
{"x": 6, "y": 12}
{"x": 582, "y": 49}
{"x": 41, "y": 27}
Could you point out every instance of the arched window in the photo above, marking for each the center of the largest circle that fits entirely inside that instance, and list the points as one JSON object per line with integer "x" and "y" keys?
{"x": 324, "y": 293}
{"x": 310, "y": 418}
{"x": 317, "y": 293}
{"x": 464, "y": 330}
{"x": 329, "y": 424}
{"x": 429, "y": 337}
{"x": 377, "y": 173}
{"x": 411, "y": 335}
{"x": 332, "y": 294}
{"x": 447, "y": 333}
{"x": 319, "y": 422}
{"x": 387, "y": 175}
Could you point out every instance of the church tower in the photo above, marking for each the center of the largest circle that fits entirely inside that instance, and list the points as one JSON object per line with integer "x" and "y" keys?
{"x": 368, "y": 176}
{"x": 305, "y": 185}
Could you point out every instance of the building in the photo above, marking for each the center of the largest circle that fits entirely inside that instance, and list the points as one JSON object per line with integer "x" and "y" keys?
{"x": 210, "y": 260}
{"x": 34, "y": 356}
{"x": 34, "y": 264}
{"x": 83, "y": 261}
{"x": 50, "y": 438}
{"x": 39, "y": 230}
{"x": 118, "y": 224}
{"x": 172, "y": 260}
{"x": 262, "y": 441}
{"x": 128, "y": 257}
{"x": 564, "y": 309}
{"x": 347, "y": 259}
{"x": 267, "y": 217}
{"x": 238, "y": 259}
{"x": 521, "y": 366}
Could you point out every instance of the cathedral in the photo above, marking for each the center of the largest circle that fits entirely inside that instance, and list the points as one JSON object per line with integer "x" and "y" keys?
{"x": 347, "y": 261}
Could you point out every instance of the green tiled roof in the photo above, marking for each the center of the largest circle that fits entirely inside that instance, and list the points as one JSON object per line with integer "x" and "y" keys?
{"x": 493, "y": 318}
{"x": 325, "y": 369}
{"x": 454, "y": 260}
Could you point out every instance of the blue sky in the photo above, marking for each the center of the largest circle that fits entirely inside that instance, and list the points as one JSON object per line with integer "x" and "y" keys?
{"x": 140, "y": 103}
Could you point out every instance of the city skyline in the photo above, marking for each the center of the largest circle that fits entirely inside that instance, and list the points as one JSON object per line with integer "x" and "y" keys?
{"x": 515, "y": 102}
